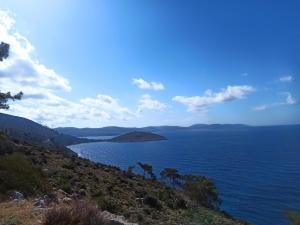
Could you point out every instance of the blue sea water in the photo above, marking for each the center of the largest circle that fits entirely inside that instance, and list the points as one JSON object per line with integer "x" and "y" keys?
{"x": 99, "y": 137}
{"x": 256, "y": 170}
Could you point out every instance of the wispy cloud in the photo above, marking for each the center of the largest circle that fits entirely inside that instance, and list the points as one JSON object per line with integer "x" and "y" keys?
{"x": 200, "y": 103}
{"x": 42, "y": 85}
{"x": 286, "y": 78}
{"x": 20, "y": 70}
{"x": 142, "y": 84}
{"x": 290, "y": 100}
{"x": 57, "y": 111}
{"x": 148, "y": 103}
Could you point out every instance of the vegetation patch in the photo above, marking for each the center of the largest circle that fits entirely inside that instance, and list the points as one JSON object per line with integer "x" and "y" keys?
{"x": 17, "y": 173}
{"x": 76, "y": 214}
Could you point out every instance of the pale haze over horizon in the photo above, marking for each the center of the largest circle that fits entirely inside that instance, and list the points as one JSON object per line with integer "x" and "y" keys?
{"x": 141, "y": 63}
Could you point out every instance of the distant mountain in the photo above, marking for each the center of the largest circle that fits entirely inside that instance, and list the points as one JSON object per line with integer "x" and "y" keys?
{"x": 218, "y": 126}
{"x": 109, "y": 131}
{"x": 161, "y": 128}
{"x": 32, "y": 132}
{"x": 137, "y": 136}
{"x": 85, "y": 132}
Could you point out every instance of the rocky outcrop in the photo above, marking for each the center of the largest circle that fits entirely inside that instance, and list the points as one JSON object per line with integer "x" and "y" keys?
{"x": 115, "y": 219}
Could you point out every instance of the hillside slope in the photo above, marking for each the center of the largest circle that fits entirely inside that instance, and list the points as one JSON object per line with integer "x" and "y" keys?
{"x": 27, "y": 130}
{"x": 34, "y": 171}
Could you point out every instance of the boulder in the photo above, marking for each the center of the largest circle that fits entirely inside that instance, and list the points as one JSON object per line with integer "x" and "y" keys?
{"x": 18, "y": 196}
{"x": 42, "y": 202}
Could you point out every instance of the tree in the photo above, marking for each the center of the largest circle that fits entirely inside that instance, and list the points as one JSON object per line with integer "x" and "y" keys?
{"x": 129, "y": 171}
{"x": 4, "y": 97}
{"x": 147, "y": 169}
{"x": 171, "y": 174}
{"x": 4, "y": 51}
{"x": 201, "y": 190}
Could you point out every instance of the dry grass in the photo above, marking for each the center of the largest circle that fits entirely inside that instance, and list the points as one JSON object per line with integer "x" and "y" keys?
{"x": 20, "y": 213}
{"x": 78, "y": 213}
{"x": 25, "y": 213}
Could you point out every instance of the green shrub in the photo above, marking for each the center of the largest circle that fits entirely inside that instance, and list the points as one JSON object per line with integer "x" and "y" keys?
{"x": 201, "y": 190}
{"x": 14, "y": 220}
{"x": 17, "y": 173}
{"x": 152, "y": 202}
{"x": 107, "y": 204}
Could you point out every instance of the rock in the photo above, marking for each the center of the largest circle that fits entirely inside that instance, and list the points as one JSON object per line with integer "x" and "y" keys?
{"x": 42, "y": 202}
{"x": 139, "y": 200}
{"x": 60, "y": 195}
{"x": 115, "y": 220}
{"x": 75, "y": 196}
{"x": 18, "y": 196}
{"x": 82, "y": 192}
{"x": 66, "y": 200}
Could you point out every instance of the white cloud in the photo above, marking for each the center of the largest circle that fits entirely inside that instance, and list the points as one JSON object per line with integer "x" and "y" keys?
{"x": 107, "y": 104}
{"x": 286, "y": 79}
{"x": 200, "y": 103}
{"x": 20, "y": 69}
{"x": 41, "y": 86}
{"x": 57, "y": 111}
{"x": 290, "y": 100}
{"x": 142, "y": 84}
{"x": 147, "y": 103}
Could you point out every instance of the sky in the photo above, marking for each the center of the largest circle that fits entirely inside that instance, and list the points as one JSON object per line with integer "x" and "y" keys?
{"x": 96, "y": 63}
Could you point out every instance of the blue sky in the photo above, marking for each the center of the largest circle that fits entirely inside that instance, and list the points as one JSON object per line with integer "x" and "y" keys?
{"x": 91, "y": 63}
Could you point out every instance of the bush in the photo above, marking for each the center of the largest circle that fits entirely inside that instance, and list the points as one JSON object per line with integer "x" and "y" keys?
{"x": 201, "y": 190}
{"x": 17, "y": 173}
{"x": 13, "y": 220}
{"x": 5, "y": 145}
{"x": 107, "y": 204}
{"x": 78, "y": 214}
{"x": 152, "y": 202}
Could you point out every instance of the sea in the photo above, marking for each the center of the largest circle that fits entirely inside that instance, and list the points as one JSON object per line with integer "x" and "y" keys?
{"x": 256, "y": 169}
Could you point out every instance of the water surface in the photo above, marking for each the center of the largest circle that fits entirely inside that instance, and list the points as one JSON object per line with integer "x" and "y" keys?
{"x": 257, "y": 170}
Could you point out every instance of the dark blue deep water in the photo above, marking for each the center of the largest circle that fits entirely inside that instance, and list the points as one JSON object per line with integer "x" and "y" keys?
{"x": 257, "y": 170}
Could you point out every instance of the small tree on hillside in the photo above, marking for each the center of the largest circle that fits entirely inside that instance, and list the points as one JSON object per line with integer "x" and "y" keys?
{"x": 4, "y": 97}
{"x": 147, "y": 169}
{"x": 170, "y": 173}
{"x": 201, "y": 190}
{"x": 129, "y": 171}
